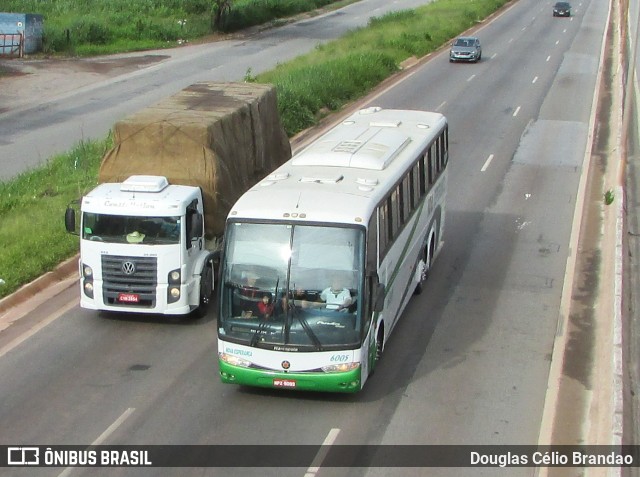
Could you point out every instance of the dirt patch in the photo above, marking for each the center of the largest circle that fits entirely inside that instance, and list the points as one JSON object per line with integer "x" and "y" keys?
{"x": 27, "y": 81}
{"x": 109, "y": 65}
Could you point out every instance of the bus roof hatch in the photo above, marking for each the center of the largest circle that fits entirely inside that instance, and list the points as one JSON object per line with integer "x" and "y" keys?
{"x": 373, "y": 148}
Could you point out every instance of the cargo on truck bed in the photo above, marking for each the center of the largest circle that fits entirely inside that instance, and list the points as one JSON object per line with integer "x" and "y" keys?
{"x": 221, "y": 137}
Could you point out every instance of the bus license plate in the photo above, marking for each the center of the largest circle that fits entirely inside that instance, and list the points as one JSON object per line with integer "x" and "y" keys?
{"x": 284, "y": 383}
{"x": 128, "y": 298}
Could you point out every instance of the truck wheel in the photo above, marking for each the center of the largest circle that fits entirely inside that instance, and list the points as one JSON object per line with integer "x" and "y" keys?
{"x": 206, "y": 292}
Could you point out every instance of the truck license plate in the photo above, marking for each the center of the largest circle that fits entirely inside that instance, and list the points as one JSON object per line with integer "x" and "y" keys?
{"x": 284, "y": 383}
{"x": 128, "y": 298}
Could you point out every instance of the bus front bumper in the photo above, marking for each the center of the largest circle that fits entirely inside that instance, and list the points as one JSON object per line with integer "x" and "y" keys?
{"x": 347, "y": 382}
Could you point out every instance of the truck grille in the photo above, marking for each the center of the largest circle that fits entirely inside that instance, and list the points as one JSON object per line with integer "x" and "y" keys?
{"x": 132, "y": 276}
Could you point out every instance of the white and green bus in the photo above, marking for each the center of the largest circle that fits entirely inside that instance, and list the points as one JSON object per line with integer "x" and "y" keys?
{"x": 322, "y": 256}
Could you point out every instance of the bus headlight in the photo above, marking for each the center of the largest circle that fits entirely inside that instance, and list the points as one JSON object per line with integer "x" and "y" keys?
{"x": 234, "y": 360}
{"x": 340, "y": 368}
{"x": 87, "y": 271}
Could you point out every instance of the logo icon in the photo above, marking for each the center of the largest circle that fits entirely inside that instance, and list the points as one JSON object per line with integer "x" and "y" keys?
{"x": 23, "y": 456}
{"x": 286, "y": 365}
{"x": 128, "y": 268}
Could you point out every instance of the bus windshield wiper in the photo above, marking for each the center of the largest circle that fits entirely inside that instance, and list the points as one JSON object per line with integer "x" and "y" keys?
{"x": 307, "y": 329}
{"x": 256, "y": 334}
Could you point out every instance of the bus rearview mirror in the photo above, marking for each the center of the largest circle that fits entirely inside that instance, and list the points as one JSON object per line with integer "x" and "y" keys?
{"x": 379, "y": 299}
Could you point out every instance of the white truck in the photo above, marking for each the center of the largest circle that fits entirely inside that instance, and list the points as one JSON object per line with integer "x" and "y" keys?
{"x": 150, "y": 232}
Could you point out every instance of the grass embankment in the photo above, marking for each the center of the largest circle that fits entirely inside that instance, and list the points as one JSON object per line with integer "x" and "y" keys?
{"x": 93, "y": 27}
{"x": 32, "y": 206}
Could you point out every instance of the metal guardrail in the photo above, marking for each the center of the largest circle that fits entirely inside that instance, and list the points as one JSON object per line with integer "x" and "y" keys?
{"x": 12, "y": 45}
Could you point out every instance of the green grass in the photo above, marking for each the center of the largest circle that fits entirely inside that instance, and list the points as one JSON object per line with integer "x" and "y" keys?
{"x": 336, "y": 73}
{"x": 32, "y": 206}
{"x": 91, "y": 27}
{"x": 309, "y": 87}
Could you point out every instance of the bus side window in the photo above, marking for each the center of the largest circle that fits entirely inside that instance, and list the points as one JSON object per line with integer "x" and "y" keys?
{"x": 416, "y": 183}
{"x": 406, "y": 198}
{"x": 422, "y": 174}
{"x": 382, "y": 230}
{"x": 414, "y": 190}
{"x": 443, "y": 149}
{"x": 431, "y": 167}
{"x": 394, "y": 209}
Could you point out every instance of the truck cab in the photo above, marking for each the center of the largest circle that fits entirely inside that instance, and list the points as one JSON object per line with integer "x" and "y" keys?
{"x": 143, "y": 248}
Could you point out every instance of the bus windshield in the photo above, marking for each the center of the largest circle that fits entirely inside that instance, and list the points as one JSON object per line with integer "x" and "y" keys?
{"x": 297, "y": 286}
{"x": 131, "y": 229}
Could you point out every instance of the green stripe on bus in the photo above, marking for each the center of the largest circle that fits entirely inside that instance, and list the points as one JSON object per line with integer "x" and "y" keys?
{"x": 404, "y": 250}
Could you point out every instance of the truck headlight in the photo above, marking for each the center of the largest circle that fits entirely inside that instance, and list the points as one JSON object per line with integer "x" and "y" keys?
{"x": 87, "y": 271}
{"x": 174, "y": 276}
{"x": 88, "y": 288}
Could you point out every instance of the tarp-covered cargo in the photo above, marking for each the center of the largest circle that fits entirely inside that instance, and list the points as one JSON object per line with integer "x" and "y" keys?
{"x": 222, "y": 137}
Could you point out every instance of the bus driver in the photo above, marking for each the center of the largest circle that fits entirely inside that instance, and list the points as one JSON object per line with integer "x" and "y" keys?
{"x": 337, "y": 297}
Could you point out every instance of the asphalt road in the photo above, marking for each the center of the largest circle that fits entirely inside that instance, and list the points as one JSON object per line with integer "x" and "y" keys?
{"x": 469, "y": 361}
{"x": 35, "y": 133}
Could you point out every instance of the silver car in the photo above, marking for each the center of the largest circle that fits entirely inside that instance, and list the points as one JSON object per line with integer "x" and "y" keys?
{"x": 465, "y": 48}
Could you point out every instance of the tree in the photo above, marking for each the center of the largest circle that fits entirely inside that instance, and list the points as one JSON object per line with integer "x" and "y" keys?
{"x": 221, "y": 8}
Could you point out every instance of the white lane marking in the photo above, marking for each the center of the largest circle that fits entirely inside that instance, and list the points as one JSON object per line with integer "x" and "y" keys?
{"x": 111, "y": 429}
{"x": 104, "y": 436}
{"x": 486, "y": 163}
{"x": 494, "y": 55}
{"x": 557, "y": 42}
{"x": 471, "y": 77}
{"x": 548, "y": 58}
{"x": 37, "y": 327}
{"x": 515, "y": 113}
{"x": 322, "y": 453}
{"x": 534, "y": 80}
{"x": 441, "y": 106}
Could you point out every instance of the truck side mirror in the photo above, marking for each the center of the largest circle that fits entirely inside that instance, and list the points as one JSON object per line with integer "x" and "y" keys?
{"x": 70, "y": 220}
{"x": 196, "y": 226}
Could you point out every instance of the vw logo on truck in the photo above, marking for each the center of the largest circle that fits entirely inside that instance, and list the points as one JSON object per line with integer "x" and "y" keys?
{"x": 128, "y": 268}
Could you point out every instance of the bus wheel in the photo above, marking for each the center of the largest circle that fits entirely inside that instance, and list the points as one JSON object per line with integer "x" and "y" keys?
{"x": 206, "y": 292}
{"x": 379, "y": 344}
{"x": 423, "y": 267}
{"x": 422, "y": 272}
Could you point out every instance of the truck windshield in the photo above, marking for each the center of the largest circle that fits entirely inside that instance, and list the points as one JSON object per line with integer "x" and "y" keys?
{"x": 292, "y": 285}
{"x": 131, "y": 229}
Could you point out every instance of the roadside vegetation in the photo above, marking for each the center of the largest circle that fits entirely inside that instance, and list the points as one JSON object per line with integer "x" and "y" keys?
{"x": 309, "y": 88}
{"x": 92, "y": 27}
